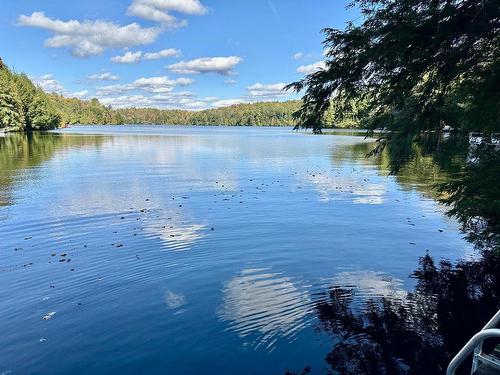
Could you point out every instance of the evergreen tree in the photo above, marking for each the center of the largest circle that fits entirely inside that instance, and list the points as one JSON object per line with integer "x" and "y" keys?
{"x": 42, "y": 114}
{"x": 419, "y": 64}
{"x": 27, "y": 91}
{"x": 11, "y": 111}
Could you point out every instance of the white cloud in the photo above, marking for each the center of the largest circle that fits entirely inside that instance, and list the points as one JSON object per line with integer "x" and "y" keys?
{"x": 170, "y": 100}
{"x": 298, "y": 55}
{"x": 149, "y": 12}
{"x": 160, "y": 84}
{"x": 230, "y": 82}
{"x": 312, "y": 68}
{"x": 126, "y": 101}
{"x": 228, "y": 102}
{"x": 154, "y": 85}
{"x": 183, "y": 100}
{"x": 219, "y": 65}
{"x": 90, "y": 38}
{"x": 78, "y": 94}
{"x": 181, "y": 6}
{"x": 160, "y": 10}
{"x": 272, "y": 90}
{"x": 48, "y": 84}
{"x": 127, "y": 58}
{"x": 184, "y": 81}
{"x": 105, "y": 76}
{"x": 135, "y": 57}
{"x": 169, "y": 52}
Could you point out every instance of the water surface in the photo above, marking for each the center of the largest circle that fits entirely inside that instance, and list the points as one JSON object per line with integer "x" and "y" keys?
{"x": 187, "y": 250}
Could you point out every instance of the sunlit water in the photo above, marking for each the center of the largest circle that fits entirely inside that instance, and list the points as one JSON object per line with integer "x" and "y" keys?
{"x": 187, "y": 250}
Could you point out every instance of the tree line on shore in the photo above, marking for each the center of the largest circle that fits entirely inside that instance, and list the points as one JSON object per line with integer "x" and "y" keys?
{"x": 24, "y": 106}
{"x": 76, "y": 111}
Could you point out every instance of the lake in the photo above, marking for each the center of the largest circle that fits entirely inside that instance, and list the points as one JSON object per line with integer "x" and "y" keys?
{"x": 187, "y": 250}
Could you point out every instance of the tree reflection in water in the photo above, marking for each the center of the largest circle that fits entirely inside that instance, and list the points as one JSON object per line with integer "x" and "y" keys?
{"x": 20, "y": 152}
{"x": 416, "y": 334}
{"x": 420, "y": 331}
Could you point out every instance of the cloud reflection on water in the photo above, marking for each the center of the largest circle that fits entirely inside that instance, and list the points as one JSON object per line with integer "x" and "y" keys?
{"x": 369, "y": 284}
{"x": 263, "y": 307}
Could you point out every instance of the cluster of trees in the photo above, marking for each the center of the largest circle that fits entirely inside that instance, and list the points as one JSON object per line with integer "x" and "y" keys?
{"x": 410, "y": 67}
{"x": 77, "y": 111}
{"x": 414, "y": 65}
{"x": 23, "y": 106}
{"x": 255, "y": 114}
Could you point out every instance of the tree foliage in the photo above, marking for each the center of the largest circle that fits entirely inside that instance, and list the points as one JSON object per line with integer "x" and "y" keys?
{"x": 474, "y": 198}
{"x": 11, "y": 111}
{"x": 76, "y": 111}
{"x": 418, "y": 64}
{"x": 42, "y": 113}
{"x": 255, "y": 114}
{"x": 23, "y": 106}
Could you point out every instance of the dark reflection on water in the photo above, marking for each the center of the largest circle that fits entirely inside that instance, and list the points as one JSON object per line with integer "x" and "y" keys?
{"x": 416, "y": 332}
{"x": 419, "y": 331}
{"x": 422, "y": 168}
{"x": 191, "y": 250}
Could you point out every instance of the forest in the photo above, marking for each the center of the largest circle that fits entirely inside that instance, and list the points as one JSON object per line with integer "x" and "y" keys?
{"x": 24, "y": 106}
{"x": 76, "y": 111}
{"x": 411, "y": 69}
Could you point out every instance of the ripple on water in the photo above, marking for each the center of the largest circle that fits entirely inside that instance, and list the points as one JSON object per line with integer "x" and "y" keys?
{"x": 262, "y": 307}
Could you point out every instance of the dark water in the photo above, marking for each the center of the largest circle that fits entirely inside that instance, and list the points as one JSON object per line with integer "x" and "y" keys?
{"x": 198, "y": 250}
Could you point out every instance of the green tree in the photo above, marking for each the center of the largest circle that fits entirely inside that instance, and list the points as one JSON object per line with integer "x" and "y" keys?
{"x": 419, "y": 64}
{"x": 42, "y": 114}
{"x": 11, "y": 110}
{"x": 27, "y": 91}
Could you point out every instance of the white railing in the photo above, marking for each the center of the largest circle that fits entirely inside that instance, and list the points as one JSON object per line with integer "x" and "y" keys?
{"x": 475, "y": 345}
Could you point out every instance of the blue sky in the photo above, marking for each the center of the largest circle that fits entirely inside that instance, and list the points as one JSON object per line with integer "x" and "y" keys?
{"x": 188, "y": 54}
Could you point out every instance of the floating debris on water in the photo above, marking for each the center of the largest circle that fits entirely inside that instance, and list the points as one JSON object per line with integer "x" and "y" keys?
{"x": 49, "y": 316}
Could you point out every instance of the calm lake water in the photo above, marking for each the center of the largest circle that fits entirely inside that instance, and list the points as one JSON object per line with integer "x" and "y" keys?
{"x": 187, "y": 250}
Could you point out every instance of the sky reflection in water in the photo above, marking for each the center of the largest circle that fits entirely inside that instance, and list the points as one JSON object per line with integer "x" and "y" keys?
{"x": 196, "y": 249}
